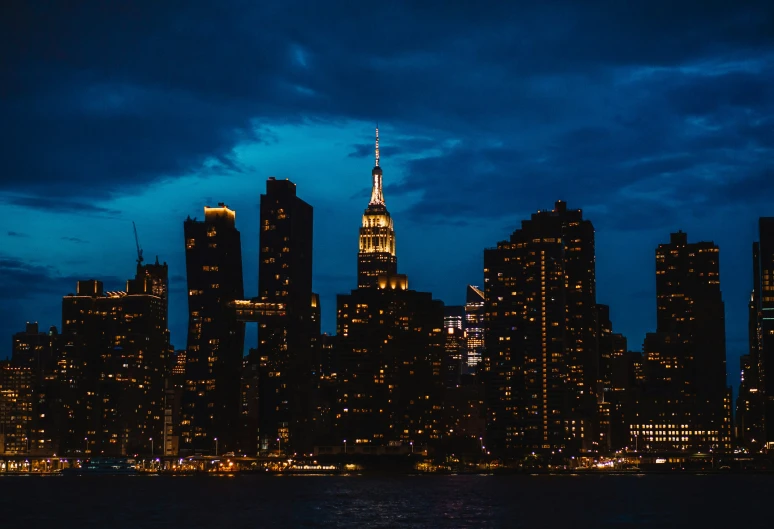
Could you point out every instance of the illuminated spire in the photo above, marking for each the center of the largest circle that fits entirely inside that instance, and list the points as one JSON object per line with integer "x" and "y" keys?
{"x": 377, "y": 145}
{"x": 377, "y": 198}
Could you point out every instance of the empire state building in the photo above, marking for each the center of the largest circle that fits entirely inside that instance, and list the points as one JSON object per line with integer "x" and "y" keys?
{"x": 377, "y": 237}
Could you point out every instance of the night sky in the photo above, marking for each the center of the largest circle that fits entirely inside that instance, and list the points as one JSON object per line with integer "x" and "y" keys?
{"x": 651, "y": 116}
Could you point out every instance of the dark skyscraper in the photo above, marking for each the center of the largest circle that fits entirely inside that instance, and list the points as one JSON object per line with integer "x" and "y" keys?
{"x": 286, "y": 357}
{"x": 112, "y": 368}
{"x": 390, "y": 346}
{"x": 755, "y": 406}
{"x": 540, "y": 362}
{"x": 686, "y": 402}
{"x": 211, "y": 399}
{"x": 377, "y": 236}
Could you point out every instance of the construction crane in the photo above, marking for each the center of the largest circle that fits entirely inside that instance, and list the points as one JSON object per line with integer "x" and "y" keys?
{"x": 137, "y": 242}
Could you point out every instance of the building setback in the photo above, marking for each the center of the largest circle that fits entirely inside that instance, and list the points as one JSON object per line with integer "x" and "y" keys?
{"x": 211, "y": 397}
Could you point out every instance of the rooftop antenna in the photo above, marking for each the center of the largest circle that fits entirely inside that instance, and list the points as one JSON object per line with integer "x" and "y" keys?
{"x": 137, "y": 242}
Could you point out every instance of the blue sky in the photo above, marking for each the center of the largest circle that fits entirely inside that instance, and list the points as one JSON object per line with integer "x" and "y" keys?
{"x": 650, "y": 116}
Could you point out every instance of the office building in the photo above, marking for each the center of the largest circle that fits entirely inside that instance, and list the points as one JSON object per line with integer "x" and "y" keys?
{"x": 755, "y": 404}
{"x": 541, "y": 364}
{"x": 686, "y": 402}
{"x": 287, "y": 343}
{"x": 390, "y": 346}
{"x": 211, "y": 398}
{"x": 474, "y": 325}
{"x": 16, "y": 407}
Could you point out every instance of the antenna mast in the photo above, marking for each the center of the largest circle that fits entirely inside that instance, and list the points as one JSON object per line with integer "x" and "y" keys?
{"x": 137, "y": 242}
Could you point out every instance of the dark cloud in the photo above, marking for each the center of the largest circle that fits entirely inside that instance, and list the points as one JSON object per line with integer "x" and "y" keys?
{"x": 361, "y": 150}
{"x": 124, "y": 94}
{"x": 62, "y": 205}
{"x": 75, "y": 240}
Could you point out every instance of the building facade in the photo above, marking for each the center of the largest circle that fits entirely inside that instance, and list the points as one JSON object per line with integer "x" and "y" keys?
{"x": 390, "y": 345}
{"x": 686, "y": 401}
{"x": 211, "y": 398}
{"x": 474, "y": 325}
{"x": 286, "y": 352}
{"x": 540, "y": 363}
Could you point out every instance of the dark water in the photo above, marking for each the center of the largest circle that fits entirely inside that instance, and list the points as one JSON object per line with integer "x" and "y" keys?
{"x": 245, "y": 501}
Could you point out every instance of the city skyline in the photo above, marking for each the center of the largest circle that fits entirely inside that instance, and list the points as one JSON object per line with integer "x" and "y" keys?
{"x": 645, "y": 139}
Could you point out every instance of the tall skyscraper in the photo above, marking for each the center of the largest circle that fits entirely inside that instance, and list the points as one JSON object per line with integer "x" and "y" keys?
{"x": 755, "y": 405}
{"x": 474, "y": 325}
{"x": 377, "y": 236}
{"x": 540, "y": 361}
{"x": 285, "y": 343}
{"x": 390, "y": 346}
{"x": 211, "y": 399}
{"x": 686, "y": 402}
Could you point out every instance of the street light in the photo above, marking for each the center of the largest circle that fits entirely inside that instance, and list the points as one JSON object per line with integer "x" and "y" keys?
{"x": 216, "y": 447}
{"x": 86, "y": 445}
{"x": 151, "y": 440}
{"x": 412, "y": 446}
{"x": 345, "y": 446}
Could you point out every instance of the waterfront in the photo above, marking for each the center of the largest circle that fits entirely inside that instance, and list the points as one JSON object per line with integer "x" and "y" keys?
{"x": 422, "y": 501}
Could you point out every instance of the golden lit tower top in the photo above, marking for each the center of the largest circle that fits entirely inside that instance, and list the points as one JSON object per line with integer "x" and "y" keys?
{"x": 377, "y": 236}
{"x": 377, "y": 197}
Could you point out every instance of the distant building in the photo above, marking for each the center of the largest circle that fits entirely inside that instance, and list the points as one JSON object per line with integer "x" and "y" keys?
{"x": 540, "y": 363}
{"x": 474, "y": 325}
{"x": 211, "y": 400}
{"x": 454, "y": 317}
{"x": 755, "y": 404}
{"x": 35, "y": 350}
{"x": 686, "y": 402}
{"x": 455, "y": 349}
{"x": 16, "y": 406}
{"x": 455, "y": 345}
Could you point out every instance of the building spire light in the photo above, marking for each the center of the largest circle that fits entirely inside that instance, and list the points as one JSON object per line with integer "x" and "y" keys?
{"x": 377, "y": 145}
{"x": 377, "y": 197}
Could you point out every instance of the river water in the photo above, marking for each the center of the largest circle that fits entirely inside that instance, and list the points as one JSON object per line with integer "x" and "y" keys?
{"x": 428, "y": 501}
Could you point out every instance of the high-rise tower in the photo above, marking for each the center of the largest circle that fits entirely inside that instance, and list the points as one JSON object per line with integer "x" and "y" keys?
{"x": 390, "y": 346}
{"x": 377, "y": 236}
{"x": 211, "y": 399}
{"x": 285, "y": 343}
{"x": 686, "y": 396}
{"x": 757, "y": 388}
{"x": 540, "y": 362}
